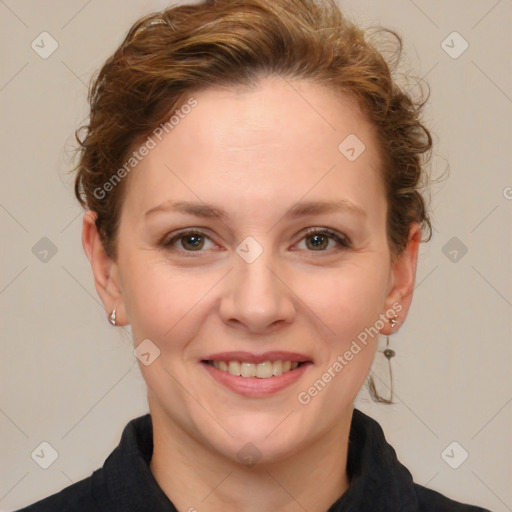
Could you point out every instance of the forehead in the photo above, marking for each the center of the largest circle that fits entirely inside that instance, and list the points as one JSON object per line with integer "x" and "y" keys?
{"x": 278, "y": 137}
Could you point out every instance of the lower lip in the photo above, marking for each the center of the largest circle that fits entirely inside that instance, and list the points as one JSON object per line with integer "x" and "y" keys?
{"x": 254, "y": 387}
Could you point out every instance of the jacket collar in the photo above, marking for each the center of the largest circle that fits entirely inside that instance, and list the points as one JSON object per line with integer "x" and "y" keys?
{"x": 378, "y": 481}
{"x": 128, "y": 477}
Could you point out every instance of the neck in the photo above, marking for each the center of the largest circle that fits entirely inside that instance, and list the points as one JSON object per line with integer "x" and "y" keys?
{"x": 195, "y": 477}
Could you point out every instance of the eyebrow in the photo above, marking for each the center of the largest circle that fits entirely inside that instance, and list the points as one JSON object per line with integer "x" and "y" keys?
{"x": 298, "y": 210}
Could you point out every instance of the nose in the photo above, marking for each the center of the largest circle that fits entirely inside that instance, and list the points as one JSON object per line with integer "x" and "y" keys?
{"x": 256, "y": 297}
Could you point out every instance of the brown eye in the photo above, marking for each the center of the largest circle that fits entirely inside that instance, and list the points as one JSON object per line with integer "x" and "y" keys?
{"x": 188, "y": 241}
{"x": 317, "y": 241}
{"x": 192, "y": 242}
{"x": 324, "y": 240}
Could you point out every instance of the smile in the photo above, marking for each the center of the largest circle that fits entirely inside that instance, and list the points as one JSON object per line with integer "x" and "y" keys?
{"x": 264, "y": 370}
{"x": 256, "y": 375}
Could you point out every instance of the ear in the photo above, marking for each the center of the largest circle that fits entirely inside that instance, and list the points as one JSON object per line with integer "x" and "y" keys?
{"x": 104, "y": 268}
{"x": 403, "y": 278}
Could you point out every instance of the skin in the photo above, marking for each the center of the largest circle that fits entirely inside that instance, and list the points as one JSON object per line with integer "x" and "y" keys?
{"x": 256, "y": 153}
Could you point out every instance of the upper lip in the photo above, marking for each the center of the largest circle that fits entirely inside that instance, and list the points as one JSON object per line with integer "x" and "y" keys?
{"x": 250, "y": 357}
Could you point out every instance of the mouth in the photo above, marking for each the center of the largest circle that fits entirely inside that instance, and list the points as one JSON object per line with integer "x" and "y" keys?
{"x": 264, "y": 370}
{"x": 256, "y": 375}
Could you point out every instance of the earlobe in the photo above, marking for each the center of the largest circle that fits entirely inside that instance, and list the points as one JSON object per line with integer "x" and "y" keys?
{"x": 104, "y": 269}
{"x": 404, "y": 276}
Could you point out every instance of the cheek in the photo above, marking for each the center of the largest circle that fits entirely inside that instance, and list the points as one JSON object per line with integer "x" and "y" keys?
{"x": 346, "y": 300}
{"x": 348, "y": 305}
{"x": 161, "y": 302}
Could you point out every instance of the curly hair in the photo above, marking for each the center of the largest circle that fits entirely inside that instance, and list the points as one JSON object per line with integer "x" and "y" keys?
{"x": 185, "y": 48}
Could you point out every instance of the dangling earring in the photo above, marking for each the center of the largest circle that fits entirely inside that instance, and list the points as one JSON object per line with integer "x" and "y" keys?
{"x": 112, "y": 318}
{"x": 388, "y": 354}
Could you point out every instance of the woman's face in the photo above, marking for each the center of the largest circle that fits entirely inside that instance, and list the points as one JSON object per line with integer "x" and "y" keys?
{"x": 249, "y": 174}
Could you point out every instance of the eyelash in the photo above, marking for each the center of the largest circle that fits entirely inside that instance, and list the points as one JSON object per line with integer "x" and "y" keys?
{"x": 342, "y": 241}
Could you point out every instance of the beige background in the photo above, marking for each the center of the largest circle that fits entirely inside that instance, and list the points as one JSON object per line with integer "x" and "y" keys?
{"x": 70, "y": 379}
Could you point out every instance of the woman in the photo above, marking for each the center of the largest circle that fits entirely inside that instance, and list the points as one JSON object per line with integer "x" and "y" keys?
{"x": 251, "y": 173}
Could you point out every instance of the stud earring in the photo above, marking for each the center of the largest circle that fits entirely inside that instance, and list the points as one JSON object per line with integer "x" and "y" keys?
{"x": 112, "y": 318}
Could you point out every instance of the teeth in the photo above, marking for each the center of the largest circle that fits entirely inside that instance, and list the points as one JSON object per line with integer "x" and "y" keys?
{"x": 248, "y": 370}
{"x": 277, "y": 368}
{"x": 233, "y": 367}
{"x": 263, "y": 370}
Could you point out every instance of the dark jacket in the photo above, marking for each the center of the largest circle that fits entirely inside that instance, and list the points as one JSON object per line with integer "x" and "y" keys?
{"x": 378, "y": 482}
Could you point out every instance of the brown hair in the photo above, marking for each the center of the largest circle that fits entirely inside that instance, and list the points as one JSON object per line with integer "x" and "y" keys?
{"x": 220, "y": 42}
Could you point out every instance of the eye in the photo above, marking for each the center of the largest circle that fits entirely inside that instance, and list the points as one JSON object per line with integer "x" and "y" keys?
{"x": 320, "y": 239}
{"x": 315, "y": 239}
{"x": 189, "y": 241}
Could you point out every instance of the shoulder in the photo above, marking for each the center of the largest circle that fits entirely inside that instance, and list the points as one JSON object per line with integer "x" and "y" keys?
{"x": 125, "y": 481}
{"x": 77, "y": 497}
{"x": 432, "y": 501}
{"x": 377, "y": 476}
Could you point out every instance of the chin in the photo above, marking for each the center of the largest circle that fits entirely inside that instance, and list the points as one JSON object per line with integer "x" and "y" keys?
{"x": 264, "y": 439}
